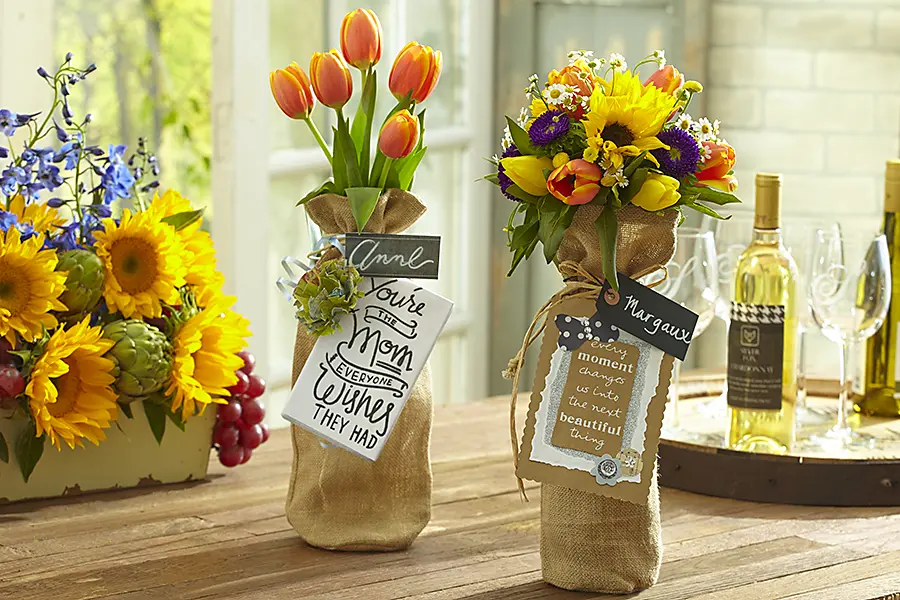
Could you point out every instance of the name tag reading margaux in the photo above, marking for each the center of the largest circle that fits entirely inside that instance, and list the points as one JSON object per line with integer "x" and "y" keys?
{"x": 387, "y": 255}
{"x": 649, "y": 315}
{"x": 356, "y": 381}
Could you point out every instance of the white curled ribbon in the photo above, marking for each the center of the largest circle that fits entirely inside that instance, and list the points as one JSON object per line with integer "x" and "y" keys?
{"x": 287, "y": 284}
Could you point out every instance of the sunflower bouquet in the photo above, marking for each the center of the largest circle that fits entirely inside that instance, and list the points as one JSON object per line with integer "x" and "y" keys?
{"x": 595, "y": 135}
{"x": 102, "y": 305}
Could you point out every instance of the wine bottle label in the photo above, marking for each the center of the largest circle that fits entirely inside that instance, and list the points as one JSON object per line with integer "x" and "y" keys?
{"x": 755, "y": 356}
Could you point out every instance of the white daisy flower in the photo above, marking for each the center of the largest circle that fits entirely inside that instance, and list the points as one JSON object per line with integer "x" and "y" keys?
{"x": 617, "y": 62}
{"x": 507, "y": 140}
{"x": 704, "y": 129}
{"x": 557, "y": 94}
{"x": 715, "y": 128}
{"x": 621, "y": 180}
{"x": 606, "y": 165}
{"x": 495, "y": 158}
{"x": 576, "y": 55}
{"x": 523, "y": 116}
{"x": 685, "y": 122}
{"x": 705, "y": 153}
{"x": 533, "y": 78}
{"x": 660, "y": 57}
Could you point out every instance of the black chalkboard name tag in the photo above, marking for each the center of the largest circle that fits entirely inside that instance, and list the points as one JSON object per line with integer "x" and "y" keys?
{"x": 649, "y": 316}
{"x": 387, "y": 255}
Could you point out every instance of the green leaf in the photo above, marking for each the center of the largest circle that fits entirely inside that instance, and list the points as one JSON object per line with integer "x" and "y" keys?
{"x": 175, "y": 418}
{"x": 362, "y": 204}
{"x": 29, "y": 449}
{"x": 635, "y": 182}
{"x": 553, "y": 241}
{"x": 702, "y": 208}
{"x": 156, "y": 417}
{"x": 361, "y": 131}
{"x": 406, "y": 170}
{"x": 4, "y": 449}
{"x": 633, "y": 165}
{"x": 607, "y": 226}
{"x": 493, "y": 178}
{"x": 339, "y": 163}
{"x": 349, "y": 153}
{"x": 421, "y": 117}
{"x": 518, "y": 255}
{"x": 126, "y": 410}
{"x": 181, "y": 220}
{"x": 517, "y": 192}
{"x": 708, "y": 194}
{"x": 328, "y": 186}
{"x": 524, "y": 234}
{"x": 601, "y": 197}
{"x": 617, "y": 202}
{"x": 520, "y": 138}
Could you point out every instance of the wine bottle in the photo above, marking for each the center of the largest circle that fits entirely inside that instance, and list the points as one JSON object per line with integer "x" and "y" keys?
{"x": 882, "y": 371}
{"x": 762, "y": 334}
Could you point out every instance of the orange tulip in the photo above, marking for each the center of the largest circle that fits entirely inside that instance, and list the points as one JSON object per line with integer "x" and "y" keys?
{"x": 717, "y": 172}
{"x": 331, "y": 80}
{"x": 399, "y": 135}
{"x": 361, "y": 38}
{"x": 291, "y": 90}
{"x": 576, "y": 182}
{"x": 668, "y": 79}
{"x": 416, "y": 70}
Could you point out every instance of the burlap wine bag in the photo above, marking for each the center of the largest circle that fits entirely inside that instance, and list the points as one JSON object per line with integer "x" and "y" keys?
{"x": 588, "y": 542}
{"x": 338, "y": 500}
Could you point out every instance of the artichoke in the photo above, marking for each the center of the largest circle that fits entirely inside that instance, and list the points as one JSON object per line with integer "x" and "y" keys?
{"x": 143, "y": 358}
{"x": 325, "y": 293}
{"x": 84, "y": 280}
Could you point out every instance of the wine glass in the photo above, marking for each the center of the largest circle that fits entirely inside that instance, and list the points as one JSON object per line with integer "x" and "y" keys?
{"x": 849, "y": 293}
{"x": 692, "y": 281}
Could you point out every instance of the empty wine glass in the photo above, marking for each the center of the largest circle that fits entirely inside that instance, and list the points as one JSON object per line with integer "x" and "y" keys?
{"x": 692, "y": 281}
{"x": 849, "y": 293}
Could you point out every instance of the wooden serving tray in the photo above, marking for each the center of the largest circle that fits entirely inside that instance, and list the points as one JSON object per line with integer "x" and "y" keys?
{"x": 694, "y": 457}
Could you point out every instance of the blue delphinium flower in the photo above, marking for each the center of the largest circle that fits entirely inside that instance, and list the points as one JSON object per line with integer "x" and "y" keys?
{"x": 4, "y": 152}
{"x": 117, "y": 179}
{"x": 50, "y": 177}
{"x": 7, "y": 220}
{"x": 67, "y": 239}
{"x": 8, "y": 122}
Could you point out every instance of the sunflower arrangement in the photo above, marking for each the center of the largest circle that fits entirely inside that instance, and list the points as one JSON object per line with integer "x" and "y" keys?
{"x": 103, "y": 305}
{"x": 595, "y": 134}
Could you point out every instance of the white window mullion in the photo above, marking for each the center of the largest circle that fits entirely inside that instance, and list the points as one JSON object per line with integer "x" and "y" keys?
{"x": 240, "y": 107}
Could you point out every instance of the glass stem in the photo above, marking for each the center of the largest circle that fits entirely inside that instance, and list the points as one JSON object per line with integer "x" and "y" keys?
{"x": 801, "y": 368}
{"x": 843, "y": 425}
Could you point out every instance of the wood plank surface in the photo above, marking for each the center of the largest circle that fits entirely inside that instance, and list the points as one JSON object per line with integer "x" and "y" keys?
{"x": 228, "y": 538}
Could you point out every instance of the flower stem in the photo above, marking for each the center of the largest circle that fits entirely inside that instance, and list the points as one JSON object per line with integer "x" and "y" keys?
{"x": 384, "y": 173}
{"x": 319, "y": 139}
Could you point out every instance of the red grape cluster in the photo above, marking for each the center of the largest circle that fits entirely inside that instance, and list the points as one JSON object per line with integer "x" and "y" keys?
{"x": 239, "y": 427}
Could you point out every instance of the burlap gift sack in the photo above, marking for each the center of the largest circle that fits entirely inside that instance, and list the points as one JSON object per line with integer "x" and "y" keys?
{"x": 340, "y": 501}
{"x": 588, "y": 542}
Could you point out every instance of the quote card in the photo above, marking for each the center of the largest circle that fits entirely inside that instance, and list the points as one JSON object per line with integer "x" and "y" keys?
{"x": 356, "y": 381}
{"x": 591, "y": 417}
{"x": 596, "y": 407}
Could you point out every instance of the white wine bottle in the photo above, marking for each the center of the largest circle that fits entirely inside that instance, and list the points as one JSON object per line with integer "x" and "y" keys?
{"x": 880, "y": 395}
{"x": 762, "y": 335}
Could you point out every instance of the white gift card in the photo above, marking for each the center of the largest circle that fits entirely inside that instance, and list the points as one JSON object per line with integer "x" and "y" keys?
{"x": 356, "y": 381}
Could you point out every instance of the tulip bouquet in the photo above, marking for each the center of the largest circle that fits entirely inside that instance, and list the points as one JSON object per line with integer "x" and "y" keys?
{"x": 413, "y": 77}
{"x": 594, "y": 135}
{"x": 103, "y": 306}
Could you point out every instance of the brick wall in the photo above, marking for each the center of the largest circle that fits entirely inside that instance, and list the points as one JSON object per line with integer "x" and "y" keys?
{"x": 811, "y": 89}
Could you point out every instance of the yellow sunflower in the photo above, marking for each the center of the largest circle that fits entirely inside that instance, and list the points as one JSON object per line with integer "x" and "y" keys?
{"x": 40, "y": 216}
{"x": 70, "y": 389}
{"x": 200, "y": 255}
{"x": 627, "y": 114}
{"x": 143, "y": 262}
{"x": 205, "y": 357}
{"x": 29, "y": 286}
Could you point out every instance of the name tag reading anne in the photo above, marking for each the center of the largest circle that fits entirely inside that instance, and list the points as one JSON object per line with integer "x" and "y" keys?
{"x": 356, "y": 381}
{"x": 388, "y": 255}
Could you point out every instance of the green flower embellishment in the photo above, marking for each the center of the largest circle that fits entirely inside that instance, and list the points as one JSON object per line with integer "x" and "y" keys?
{"x": 325, "y": 293}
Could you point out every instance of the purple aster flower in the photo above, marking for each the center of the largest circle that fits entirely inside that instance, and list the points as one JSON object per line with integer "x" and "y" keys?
{"x": 548, "y": 127}
{"x": 502, "y": 177}
{"x": 683, "y": 155}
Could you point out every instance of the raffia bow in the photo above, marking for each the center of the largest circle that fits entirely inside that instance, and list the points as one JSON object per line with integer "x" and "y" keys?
{"x": 579, "y": 284}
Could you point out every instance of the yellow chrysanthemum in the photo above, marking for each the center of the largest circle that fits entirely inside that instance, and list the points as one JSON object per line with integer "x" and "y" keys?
{"x": 628, "y": 114}
{"x": 70, "y": 388}
{"x": 200, "y": 255}
{"x": 29, "y": 286}
{"x": 143, "y": 262}
{"x": 43, "y": 218}
{"x": 205, "y": 351}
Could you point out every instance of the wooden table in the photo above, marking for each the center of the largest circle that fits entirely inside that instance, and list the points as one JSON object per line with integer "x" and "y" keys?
{"x": 228, "y": 538}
